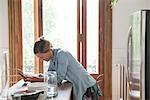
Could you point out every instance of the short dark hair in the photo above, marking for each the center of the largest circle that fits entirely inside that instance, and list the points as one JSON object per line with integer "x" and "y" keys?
{"x": 42, "y": 46}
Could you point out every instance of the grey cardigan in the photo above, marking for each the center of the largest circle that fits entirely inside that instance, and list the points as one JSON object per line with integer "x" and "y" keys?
{"x": 68, "y": 68}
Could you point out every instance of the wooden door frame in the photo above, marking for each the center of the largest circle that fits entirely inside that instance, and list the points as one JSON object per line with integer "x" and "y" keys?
{"x": 38, "y": 32}
{"x": 105, "y": 43}
{"x": 107, "y": 47}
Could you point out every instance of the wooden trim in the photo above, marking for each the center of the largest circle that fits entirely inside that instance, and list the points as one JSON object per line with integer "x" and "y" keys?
{"x": 78, "y": 30}
{"x": 20, "y": 53}
{"x": 84, "y": 54}
{"x": 10, "y": 35}
{"x": 36, "y": 69}
{"x": 40, "y": 24}
{"x": 107, "y": 50}
{"x": 15, "y": 42}
{"x": 38, "y": 30}
{"x": 101, "y": 37}
{"x": 101, "y": 43}
{"x": 40, "y": 18}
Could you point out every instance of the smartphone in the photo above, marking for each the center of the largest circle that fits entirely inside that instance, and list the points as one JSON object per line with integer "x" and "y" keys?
{"x": 20, "y": 73}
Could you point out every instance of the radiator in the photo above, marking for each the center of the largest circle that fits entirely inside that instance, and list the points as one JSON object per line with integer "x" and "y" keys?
{"x": 120, "y": 82}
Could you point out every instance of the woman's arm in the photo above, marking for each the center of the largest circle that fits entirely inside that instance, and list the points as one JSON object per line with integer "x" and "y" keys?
{"x": 62, "y": 66}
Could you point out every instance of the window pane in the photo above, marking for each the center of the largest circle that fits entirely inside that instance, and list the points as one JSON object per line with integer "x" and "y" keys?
{"x": 92, "y": 36}
{"x": 60, "y": 24}
{"x": 28, "y": 35}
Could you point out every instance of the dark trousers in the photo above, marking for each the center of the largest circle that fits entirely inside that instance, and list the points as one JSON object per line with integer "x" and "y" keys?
{"x": 92, "y": 93}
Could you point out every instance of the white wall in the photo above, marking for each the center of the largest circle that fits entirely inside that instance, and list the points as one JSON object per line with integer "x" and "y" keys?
{"x": 3, "y": 24}
{"x": 148, "y": 3}
{"x": 3, "y": 33}
{"x": 120, "y": 26}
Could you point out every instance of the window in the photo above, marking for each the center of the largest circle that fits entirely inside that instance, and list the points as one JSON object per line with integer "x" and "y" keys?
{"x": 28, "y": 35}
{"x": 60, "y": 24}
{"x": 62, "y": 29}
{"x": 92, "y": 36}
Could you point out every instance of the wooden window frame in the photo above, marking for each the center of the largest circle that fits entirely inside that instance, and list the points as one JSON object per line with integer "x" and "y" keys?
{"x": 15, "y": 37}
{"x": 104, "y": 45}
{"x": 38, "y": 30}
{"x": 105, "y": 30}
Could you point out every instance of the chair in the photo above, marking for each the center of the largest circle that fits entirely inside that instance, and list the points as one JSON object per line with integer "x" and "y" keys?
{"x": 99, "y": 79}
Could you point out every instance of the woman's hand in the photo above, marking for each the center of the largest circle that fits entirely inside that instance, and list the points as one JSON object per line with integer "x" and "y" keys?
{"x": 59, "y": 84}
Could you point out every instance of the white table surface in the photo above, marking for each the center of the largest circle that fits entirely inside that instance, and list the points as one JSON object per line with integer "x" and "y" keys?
{"x": 64, "y": 91}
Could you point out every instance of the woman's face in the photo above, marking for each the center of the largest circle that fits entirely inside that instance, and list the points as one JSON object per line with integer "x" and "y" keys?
{"x": 45, "y": 56}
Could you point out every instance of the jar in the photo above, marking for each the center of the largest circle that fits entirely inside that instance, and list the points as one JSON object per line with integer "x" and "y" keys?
{"x": 51, "y": 81}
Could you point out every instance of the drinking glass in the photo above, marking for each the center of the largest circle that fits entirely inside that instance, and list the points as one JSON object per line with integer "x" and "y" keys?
{"x": 51, "y": 81}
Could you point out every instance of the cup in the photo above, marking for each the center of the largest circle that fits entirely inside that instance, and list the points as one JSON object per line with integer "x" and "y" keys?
{"x": 51, "y": 81}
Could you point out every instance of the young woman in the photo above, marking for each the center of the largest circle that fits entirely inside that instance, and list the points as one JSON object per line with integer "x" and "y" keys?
{"x": 68, "y": 68}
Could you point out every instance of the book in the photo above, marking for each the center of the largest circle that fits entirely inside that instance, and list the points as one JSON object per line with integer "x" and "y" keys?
{"x": 20, "y": 72}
